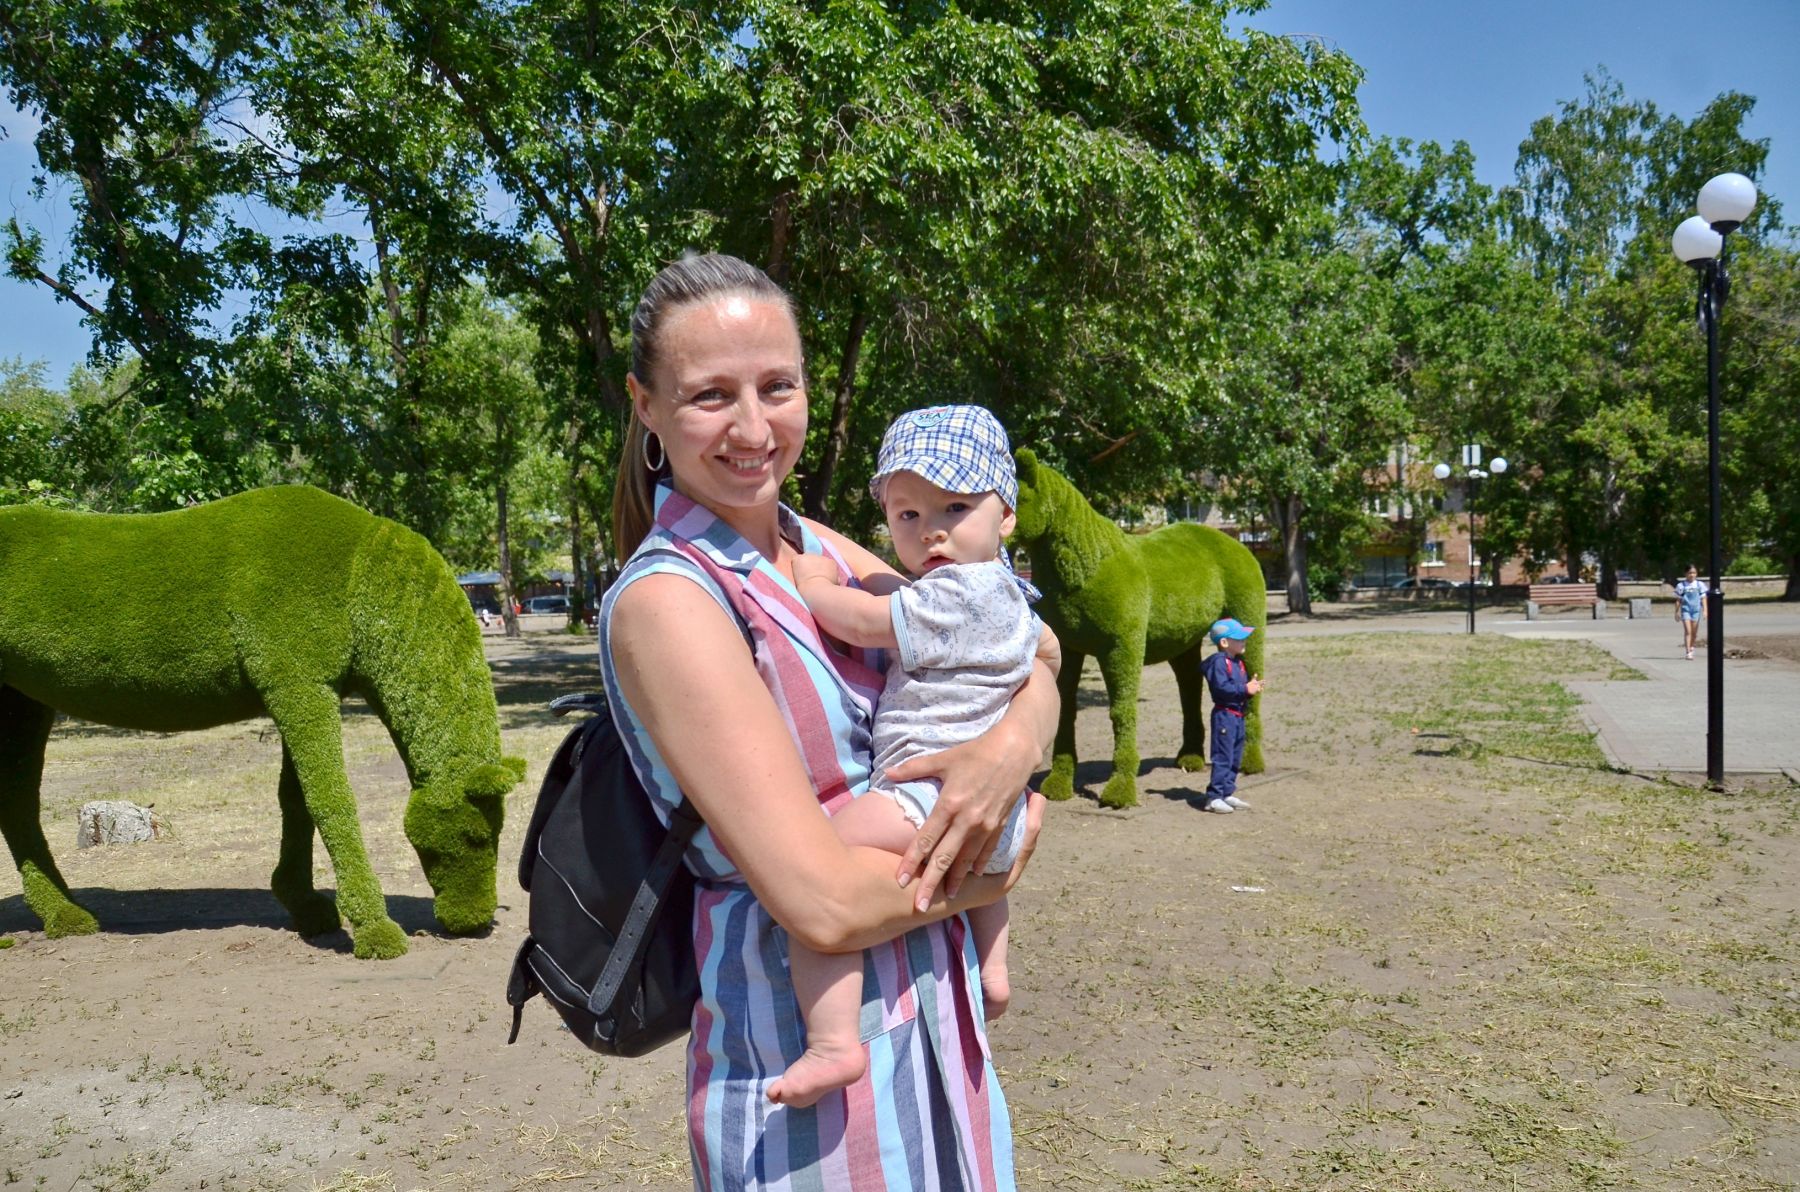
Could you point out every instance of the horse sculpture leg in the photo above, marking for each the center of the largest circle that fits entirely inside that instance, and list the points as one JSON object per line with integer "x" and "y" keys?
{"x": 1060, "y": 783}
{"x": 24, "y": 730}
{"x": 313, "y": 913}
{"x": 312, "y": 735}
{"x": 1191, "y": 684}
{"x": 1123, "y": 669}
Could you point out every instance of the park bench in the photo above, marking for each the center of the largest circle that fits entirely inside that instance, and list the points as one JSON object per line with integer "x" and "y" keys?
{"x": 1542, "y": 594}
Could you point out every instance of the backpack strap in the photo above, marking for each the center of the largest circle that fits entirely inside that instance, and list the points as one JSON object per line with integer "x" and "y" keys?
{"x": 627, "y": 954}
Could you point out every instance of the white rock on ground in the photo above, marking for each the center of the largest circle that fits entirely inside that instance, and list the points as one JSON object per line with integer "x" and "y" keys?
{"x": 115, "y": 821}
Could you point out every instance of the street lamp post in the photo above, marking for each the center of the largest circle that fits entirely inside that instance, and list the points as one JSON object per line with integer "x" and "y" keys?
{"x": 1471, "y": 456}
{"x": 1725, "y": 203}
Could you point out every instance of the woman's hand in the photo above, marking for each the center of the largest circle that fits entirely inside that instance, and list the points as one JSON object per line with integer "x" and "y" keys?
{"x": 981, "y": 780}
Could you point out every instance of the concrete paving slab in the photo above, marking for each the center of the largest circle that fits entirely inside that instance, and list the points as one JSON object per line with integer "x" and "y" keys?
{"x": 1657, "y": 724}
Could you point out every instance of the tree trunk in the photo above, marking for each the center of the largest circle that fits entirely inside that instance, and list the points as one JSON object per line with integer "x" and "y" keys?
{"x": 508, "y": 612}
{"x": 577, "y": 571}
{"x": 577, "y": 559}
{"x": 391, "y": 294}
{"x": 595, "y": 331}
{"x": 781, "y": 221}
{"x": 1289, "y": 513}
{"x": 819, "y": 487}
{"x": 1609, "y": 577}
{"x": 1792, "y": 592}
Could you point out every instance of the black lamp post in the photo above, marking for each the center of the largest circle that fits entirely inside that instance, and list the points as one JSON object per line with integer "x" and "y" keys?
{"x": 1471, "y": 455}
{"x": 1725, "y": 203}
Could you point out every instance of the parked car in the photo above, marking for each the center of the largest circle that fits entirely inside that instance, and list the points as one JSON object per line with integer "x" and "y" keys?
{"x": 547, "y": 604}
{"x": 1415, "y": 583}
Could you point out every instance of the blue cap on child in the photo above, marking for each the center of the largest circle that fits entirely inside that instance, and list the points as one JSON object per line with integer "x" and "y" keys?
{"x": 961, "y": 449}
{"x": 1229, "y": 627}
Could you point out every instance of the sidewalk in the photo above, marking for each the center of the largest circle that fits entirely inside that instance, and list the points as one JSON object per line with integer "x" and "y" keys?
{"x": 1660, "y": 724}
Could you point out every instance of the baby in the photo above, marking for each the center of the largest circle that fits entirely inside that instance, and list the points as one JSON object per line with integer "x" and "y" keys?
{"x": 963, "y": 640}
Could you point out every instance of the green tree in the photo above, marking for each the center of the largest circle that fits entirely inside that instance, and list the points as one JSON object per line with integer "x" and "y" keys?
{"x": 485, "y": 371}
{"x": 1308, "y": 411}
{"x": 1034, "y": 208}
{"x": 1762, "y": 383}
{"x": 145, "y": 116}
{"x": 1601, "y": 185}
{"x": 35, "y": 421}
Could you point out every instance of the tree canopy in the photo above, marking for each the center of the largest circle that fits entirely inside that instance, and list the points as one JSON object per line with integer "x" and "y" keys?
{"x": 393, "y": 250}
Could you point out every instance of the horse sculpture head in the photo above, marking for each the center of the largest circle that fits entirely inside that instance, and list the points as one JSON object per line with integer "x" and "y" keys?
{"x": 453, "y": 823}
{"x": 418, "y": 660}
{"x": 1034, "y": 510}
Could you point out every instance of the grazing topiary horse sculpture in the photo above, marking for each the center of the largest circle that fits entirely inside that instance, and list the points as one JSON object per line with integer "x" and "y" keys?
{"x": 1131, "y": 600}
{"x": 278, "y": 601}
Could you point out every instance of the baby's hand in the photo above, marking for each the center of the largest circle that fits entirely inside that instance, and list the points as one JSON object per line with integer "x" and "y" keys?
{"x": 1254, "y": 686}
{"x": 811, "y": 567}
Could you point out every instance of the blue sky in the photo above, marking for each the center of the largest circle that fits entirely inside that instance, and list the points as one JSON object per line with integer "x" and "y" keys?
{"x": 1482, "y": 70}
{"x": 1443, "y": 70}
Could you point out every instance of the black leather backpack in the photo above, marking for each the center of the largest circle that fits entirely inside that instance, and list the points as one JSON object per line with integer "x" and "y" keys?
{"x": 611, "y": 943}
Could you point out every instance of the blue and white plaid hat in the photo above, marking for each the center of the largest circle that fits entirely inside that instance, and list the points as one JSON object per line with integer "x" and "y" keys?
{"x": 961, "y": 449}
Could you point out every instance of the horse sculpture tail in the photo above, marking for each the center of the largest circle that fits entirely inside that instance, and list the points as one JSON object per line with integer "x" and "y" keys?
{"x": 417, "y": 658}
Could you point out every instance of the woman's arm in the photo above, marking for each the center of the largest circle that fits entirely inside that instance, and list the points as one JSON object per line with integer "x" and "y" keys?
{"x": 682, "y": 666}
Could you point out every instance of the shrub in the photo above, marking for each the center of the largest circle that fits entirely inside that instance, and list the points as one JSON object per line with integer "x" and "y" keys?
{"x": 1752, "y": 564}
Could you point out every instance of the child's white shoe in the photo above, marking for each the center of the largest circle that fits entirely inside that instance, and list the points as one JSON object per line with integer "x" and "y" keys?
{"x": 1218, "y": 806}
{"x": 1237, "y": 803}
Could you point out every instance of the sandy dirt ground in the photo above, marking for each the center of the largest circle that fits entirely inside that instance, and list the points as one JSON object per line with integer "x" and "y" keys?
{"x": 1443, "y": 950}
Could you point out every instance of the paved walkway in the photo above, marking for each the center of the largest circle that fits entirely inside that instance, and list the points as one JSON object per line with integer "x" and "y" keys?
{"x": 1657, "y": 724}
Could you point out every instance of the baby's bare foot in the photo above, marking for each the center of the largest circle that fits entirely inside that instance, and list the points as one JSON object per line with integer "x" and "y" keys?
{"x": 824, "y": 1068}
{"x": 996, "y": 991}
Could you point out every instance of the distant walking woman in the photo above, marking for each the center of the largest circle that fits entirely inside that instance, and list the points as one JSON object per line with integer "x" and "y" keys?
{"x": 762, "y": 736}
{"x": 1690, "y": 608}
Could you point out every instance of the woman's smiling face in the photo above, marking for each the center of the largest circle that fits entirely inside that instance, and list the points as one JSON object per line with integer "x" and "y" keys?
{"x": 727, "y": 399}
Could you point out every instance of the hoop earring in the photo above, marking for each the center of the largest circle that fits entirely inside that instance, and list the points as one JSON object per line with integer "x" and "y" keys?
{"x": 659, "y": 464}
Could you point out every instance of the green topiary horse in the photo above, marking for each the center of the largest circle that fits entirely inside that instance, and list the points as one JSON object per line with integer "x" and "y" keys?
{"x": 1130, "y": 601}
{"x": 278, "y": 601}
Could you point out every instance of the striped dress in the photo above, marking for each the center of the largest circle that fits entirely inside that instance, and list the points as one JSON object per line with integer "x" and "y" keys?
{"x": 930, "y": 1113}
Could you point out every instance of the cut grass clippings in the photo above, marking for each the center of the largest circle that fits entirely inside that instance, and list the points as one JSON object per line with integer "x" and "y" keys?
{"x": 1466, "y": 957}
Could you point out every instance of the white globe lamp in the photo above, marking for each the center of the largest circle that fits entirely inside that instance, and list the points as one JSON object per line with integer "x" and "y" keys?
{"x": 1695, "y": 241}
{"x": 1727, "y": 201}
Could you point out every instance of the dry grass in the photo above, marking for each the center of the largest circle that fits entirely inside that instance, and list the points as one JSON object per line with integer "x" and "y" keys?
{"x": 1480, "y": 960}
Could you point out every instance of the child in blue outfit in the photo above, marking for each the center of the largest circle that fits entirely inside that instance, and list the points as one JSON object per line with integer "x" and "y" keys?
{"x": 1690, "y": 608}
{"x": 1229, "y": 680}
